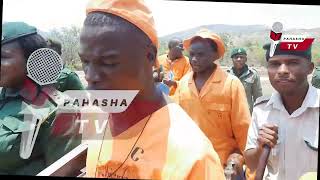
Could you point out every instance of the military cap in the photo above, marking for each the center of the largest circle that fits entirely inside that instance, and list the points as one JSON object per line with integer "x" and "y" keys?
{"x": 236, "y": 51}
{"x": 15, "y": 30}
{"x": 305, "y": 54}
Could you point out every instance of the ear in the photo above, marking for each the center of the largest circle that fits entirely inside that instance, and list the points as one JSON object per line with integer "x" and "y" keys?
{"x": 311, "y": 67}
{"x": 151, "y": 53}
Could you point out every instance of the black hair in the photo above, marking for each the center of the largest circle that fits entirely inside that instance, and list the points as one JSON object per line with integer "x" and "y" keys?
{"x": 55, "y": 45}
{"x": 31, "y": 43}
{"x": 173, "y": 41}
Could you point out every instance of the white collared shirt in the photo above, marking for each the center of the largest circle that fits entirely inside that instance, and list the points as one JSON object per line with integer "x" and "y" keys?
{"x": 291, "y": 157}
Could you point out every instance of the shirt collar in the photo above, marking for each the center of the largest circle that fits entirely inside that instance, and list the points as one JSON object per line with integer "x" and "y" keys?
{"x": 215, "y": 77}
{"x": 310, "y": 101}
{"x": 29, "y": 91}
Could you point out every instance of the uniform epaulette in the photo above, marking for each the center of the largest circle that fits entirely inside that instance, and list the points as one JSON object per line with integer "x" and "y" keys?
{"x": 56, "y": 96}
{"x": 253, "y": 69}
{"x": 261, "y": 100}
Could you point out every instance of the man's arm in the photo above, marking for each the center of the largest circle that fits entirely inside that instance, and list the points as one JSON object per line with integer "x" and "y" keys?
{"x": 256, "y": 88}
{"x": 257, "y": 137}
{"x": 240, "y": 114}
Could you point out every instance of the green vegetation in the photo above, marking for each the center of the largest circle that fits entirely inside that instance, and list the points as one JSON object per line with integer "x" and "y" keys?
{"x": 252, "y": 38}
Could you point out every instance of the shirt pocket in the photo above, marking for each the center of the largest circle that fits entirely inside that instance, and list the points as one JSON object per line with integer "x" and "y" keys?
{"x": 219, "y": 115}
{"x": 10, "y": 132}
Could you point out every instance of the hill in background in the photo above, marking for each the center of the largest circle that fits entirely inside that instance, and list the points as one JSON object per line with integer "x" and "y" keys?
{"x": 251, "y": 37}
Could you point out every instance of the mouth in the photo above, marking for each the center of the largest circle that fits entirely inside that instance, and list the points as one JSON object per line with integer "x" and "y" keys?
{"x": 284, "y": 81}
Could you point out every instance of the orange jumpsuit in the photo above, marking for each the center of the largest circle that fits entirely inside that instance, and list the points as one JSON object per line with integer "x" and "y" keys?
{"x": 220, "y": 109}
{"x": 179, "y": 67}
{"x": 171, "y": 146}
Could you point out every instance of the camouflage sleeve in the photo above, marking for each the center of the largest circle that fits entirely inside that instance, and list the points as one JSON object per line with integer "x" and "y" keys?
{"x": 316, "y": 78}
{"x": 73, "y": 82}
{"x": 256, "y": 88}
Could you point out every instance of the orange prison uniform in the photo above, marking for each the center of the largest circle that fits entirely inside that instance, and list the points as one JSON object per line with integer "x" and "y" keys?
{"x": 171, "y": 146}
{"x": 179, "y": 67}
{"x": 220, "y": 109}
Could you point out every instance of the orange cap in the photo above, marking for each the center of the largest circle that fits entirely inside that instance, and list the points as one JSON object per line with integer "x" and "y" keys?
{"x": 205, "y": 34}
{"x": 134, "y": 11}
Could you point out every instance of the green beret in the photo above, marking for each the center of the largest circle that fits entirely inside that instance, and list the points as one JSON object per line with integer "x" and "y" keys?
{"x": 14, "y": 30}
{"x": 306, "y": 54}
{"x": 236, "y": 51}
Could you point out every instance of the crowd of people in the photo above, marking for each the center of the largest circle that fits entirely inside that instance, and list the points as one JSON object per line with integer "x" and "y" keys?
{"x": 191, "y": 120}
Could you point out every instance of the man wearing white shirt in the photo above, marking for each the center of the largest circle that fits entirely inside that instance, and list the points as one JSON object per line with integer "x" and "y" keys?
{"x": 288, "y": 121}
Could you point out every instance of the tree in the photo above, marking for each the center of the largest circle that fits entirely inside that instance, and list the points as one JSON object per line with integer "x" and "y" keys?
{"x": 69, "y": 38}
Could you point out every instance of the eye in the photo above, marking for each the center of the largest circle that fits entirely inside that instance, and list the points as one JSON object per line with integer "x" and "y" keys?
{"x": 273, "y": 64}
{"x": 110, "y": 64}
{"x": 293, "y": 63}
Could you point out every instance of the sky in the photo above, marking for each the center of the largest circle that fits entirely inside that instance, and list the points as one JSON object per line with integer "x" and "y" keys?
{"x": 170, "y": 16}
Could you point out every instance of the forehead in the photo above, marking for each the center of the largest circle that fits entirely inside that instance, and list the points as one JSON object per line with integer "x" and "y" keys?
{"x": 14, "y": 45}
{"x": 285, "y": 58}
{"x": 199, "y": 44}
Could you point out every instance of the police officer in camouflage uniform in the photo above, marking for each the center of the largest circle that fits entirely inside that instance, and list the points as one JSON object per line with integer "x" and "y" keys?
{"x": 248, "y": 76}
{"x": 68, "y": 79}
{"x": 20, "y": 95}
{"x": 316, "y": 77}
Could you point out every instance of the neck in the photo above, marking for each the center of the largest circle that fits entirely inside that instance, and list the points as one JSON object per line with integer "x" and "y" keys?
{"x": 240, "y": 71}
{"x": 173, "y": 58}
{"x": 293, "y": 101}
{"x": 142, "y": 106}
{"x": 206, "y": 73}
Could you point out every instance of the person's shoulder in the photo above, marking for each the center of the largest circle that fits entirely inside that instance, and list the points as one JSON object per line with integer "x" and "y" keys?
{"x": 317, "y": 71}
{"x": 66, "y": 70}
{"x": 185, "y": 58}
{"x": 261, "y": 100}
{"x": 229, "y": 70}
{"x": 254, "y": 71}
{"x": 185, "y": 79}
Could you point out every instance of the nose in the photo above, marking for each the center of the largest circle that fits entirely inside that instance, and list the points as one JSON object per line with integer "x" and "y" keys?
{"x": 283, "y": 69}
{"x": 91, "y": 74}
{"x": 193, "y": 59}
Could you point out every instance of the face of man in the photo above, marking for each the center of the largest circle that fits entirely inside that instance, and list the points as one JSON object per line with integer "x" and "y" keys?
{"x": 202, "y": 55}
{"x": 239, "y": 61}
{"x": 114, "y": 60}
{"x": 175, "y": 49}
{"x": 288, "y": 73}
{"x": 13, "y": 65}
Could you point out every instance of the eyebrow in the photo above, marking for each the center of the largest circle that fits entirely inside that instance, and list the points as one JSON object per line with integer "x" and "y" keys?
{"x": 105, "y": 54}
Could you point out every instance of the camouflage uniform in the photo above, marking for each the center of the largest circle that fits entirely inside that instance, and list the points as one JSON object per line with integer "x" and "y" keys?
{"x": 316, "y": 78}
{"x": 68, "y": 80}
{"x": 251, "y": 82}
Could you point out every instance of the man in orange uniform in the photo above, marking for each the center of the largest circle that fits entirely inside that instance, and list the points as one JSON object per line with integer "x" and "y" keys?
{"x": 175, "y": 64}
{"x": 215, "y": 100}
{"x": 152, "y": 138}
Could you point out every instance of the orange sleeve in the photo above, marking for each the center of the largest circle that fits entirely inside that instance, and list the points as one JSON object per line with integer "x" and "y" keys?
{"x": 207, "y": 168}
{"x": 187, "y": 66}
{"x": 240, "y": 114}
